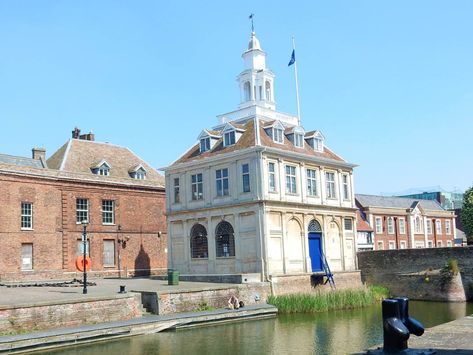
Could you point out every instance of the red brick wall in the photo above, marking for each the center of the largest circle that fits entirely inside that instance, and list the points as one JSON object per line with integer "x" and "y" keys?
{"x": 140, "y": 213}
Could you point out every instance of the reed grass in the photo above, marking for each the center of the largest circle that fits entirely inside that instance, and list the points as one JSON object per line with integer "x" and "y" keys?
{"x": 326, "y": 301}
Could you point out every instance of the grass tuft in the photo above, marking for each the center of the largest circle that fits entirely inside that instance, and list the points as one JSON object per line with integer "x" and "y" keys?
{"x": 326, "y": 301}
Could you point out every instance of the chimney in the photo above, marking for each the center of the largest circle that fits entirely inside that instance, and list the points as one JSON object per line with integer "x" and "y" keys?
{"x": 76, "y": 133}
{"x": 87, "y": 137}
{"x": 39, "y": 153}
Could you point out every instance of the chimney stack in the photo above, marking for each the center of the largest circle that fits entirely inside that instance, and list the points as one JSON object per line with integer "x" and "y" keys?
{"x": 87, "y": 137}
{"x": 76, "y": 133}
{"x": 39, "y": 153}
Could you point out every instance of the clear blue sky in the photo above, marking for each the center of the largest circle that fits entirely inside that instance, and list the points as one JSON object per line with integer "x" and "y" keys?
{"x": 389, "y": 83}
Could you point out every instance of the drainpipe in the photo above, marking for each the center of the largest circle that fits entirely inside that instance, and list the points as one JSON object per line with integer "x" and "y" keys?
{"x": 395, "y": 232}
{"x": 434, "y": 228}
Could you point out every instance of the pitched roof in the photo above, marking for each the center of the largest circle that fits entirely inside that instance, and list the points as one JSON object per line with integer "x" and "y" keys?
{"x": 77, "y": 156}
{"x": 21, "y": 161}
{"x": 247, "y": 140}
{"x": 396, "y": 202}
{"x": 361, "y": 224}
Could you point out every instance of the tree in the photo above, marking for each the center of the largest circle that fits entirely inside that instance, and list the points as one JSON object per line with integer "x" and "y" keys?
{"x": 466, "y": 214}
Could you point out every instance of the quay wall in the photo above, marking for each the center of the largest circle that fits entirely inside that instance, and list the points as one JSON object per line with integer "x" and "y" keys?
{"x": 420, "y": 273}
{"x": 26, "y": 318}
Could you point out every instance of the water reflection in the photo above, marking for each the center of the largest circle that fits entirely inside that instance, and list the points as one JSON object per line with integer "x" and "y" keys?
{"x": 339, "y": 332}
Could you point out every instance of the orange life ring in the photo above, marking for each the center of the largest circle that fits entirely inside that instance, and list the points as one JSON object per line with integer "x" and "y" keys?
{"x": 80, "y": 263}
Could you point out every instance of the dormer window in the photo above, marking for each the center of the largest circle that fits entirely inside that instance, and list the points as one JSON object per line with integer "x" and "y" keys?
{"x": 204, "y": 144}
{"x": 299, "y": 140}
{"x": 278, "y": 135}
{"x": 318, "y": 144}
{"x": 102, "y": 168}
{"x": 315, "y": 140}
{"x": 229, "y": 138}
{"x": 137, "y": 172}
{"x": 275, "y": 130}
{"x": 140, "y": 175}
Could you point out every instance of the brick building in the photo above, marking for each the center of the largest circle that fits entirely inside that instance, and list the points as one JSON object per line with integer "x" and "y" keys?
{"x": 44, "y": 202}
{"x": 402, "y": 223}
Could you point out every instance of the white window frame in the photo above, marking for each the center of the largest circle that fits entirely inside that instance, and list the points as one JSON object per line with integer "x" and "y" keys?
{"x": 439, "y": 244}
{"x": 438, "y": 226}
{"x": 417, "y": 225}
{"x": 331, "y": 186}
{"x": 350, "y": 222}
{"x": 378, "y": 226}
{"x": 26, "y": 216}
{"x": 346, "y": 187}
{"x": 278, "y": 135}
{"x": 402, "y": 244}
{"x": 402, "y": 226}
{"x": 430, "y": 244}
{"x": 390, "y": 223}
{"x": 222, "y": 183}
{"x": 245, "y": 177}
{"x": 429, "y": 226}
{"x": 229, "y": 138}
{"x": 197, "y": 187}
{"x": 449, "y": 243}
{"x": 391, "y": 245}
{"x": 82, "y": 210}
{"x": 291, "y": 179}
{"x": 108, "y": 212}
{"x": 298, "y": 140}
{"x": 26, "y": 253}
{"x": 177, "y": 190}
{"x": 379, "y": 243}
{"x": 312, "y": 189}
{"x": 204, "y": 144}
{"x": 318, "y": 144}
{"x": 103, "y": 170}
{"x": 272, "y": 185}
{"x": 448, "y": 227}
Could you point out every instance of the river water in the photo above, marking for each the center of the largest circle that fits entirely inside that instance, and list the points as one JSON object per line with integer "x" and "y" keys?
{"x": 337, "y": 332}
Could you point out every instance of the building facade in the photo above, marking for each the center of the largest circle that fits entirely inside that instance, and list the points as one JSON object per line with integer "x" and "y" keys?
{"x": 448, "y": 200}
{"x": 402, "y": 223}
{"x": 45, "y": 202}
{"x": 258, "y": 194}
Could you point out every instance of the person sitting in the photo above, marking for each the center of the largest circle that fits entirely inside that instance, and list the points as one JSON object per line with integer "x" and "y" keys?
{"x": 233, "y": 303}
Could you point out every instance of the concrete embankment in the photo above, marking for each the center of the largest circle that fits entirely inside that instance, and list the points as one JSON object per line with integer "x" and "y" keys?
{"x": 138, "y": 326}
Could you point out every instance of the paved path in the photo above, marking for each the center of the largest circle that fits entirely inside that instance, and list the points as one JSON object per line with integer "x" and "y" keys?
{"x": 16, "y": 296}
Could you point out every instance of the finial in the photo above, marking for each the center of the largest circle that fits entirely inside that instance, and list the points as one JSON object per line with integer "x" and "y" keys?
{"x": 252, "y": 24}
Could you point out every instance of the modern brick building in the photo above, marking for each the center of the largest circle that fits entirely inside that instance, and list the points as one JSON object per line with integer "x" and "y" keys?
{"x": 44, "y": 203}
{"x": 402, "y": 223}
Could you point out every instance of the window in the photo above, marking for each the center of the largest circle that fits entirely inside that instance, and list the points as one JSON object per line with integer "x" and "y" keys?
{"x": 419, "y": 245}
{"x": 429, "y": 226}
{"x": 392, "y": 245}
{"x": 438, "y": 226}
{"x": 177, "y": 197}
{"x": 390, "y": 225}
{"x": 402, "y": 226}
{"x": 108, "y": 212}
{"x": 245, "y": 171}
{"x": 430, "y": 244}
{"x": 222, "y": 182}
{"x": 348, "y": 222}
{"x": 108, "y": 252}
{"x": 318, "y": 144}
{"x": 403, "y": 244}
{"x": 299, "y": 140}
{"x": 439, "y": 243}
{"x": 26, "y": 215}
{"x": 417, "y": 225}
{"x": 199, "y": 245}
{"x": 268, "y": 90}
{"x": 449, "y": 243}
{"x": 312, "y": 182}
{"x": 27, "y": 256}
{"x": 346, "y": 187}
{"x": 448, "y": 229}
{"x": 104, "y": 170}
{"x": 247, "y": 91}
{"x": 197, "y": 187}
{"x": 271, "y": 177}
{"x": 379, "y": 225}
{"x": 278, "y": 135}
{"x": 229, "y": 138}
{"x": 330, "y": 184}
{"x": 204, "y": 144}
{"x": 225, "y": 241}
{"x": 380, "y": 246}
{"x": 291, "y": 187}
{"x": 140, "y": 175}
{"x": 82, "y": 210}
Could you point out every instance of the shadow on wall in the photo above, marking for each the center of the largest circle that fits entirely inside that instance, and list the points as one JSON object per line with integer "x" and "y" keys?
{"x": 142, "y": 263}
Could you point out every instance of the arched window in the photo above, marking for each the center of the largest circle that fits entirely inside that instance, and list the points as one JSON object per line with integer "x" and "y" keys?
{"x": 417, "y": 225}
{"x": 314, "y": 226}
{"x": 247, "y": 91}
{"x": 268, "y": 91}
{"x": 224, "y": 240}
{"x": 199, "y": 245}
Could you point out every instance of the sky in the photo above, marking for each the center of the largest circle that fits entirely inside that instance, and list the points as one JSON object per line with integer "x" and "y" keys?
{"x": 388, "y": 83}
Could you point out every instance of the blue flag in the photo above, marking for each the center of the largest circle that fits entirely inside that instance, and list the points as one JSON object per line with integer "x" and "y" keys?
{"x": 293, "y": 58}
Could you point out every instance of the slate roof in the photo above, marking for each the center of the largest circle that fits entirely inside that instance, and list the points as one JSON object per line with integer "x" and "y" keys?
{"x": 78, "y": 155}
{"x": 21, "y": 161}
{"x": 247, "y": 140}
{"x": 396, "y": 202}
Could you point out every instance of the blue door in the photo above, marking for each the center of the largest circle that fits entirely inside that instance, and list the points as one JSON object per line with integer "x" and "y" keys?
{"x": 315, "y": 250}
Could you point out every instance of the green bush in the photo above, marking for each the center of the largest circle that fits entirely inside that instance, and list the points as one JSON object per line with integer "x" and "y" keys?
{"x": 452, "y": 266}
{"x": 325, "y": 301}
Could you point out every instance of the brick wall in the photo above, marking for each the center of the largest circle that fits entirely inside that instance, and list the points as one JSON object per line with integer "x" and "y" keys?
{"x": 416, "y": 273}
{"x": 139, "y": 221}
{"x": 39, "y": 317}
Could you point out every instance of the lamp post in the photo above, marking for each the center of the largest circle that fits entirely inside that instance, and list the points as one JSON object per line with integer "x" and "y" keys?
{"x": 84, "y": 241}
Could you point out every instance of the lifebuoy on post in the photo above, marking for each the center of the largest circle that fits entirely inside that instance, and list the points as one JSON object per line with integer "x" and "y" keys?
{"x": 80, "y": 263}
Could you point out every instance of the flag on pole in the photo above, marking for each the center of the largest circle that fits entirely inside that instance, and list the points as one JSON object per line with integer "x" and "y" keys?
{"x": 293, "y": 58}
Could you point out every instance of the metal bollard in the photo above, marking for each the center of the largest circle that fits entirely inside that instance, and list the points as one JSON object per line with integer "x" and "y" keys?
{"x": 415, "y": 327}
{"x": 395, "y": 333}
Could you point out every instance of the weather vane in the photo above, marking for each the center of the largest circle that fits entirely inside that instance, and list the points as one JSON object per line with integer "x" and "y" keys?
{"x": 252, "y": 24}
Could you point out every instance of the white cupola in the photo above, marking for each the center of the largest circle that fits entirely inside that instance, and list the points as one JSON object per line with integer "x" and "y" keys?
{"x": 256, "y": 81}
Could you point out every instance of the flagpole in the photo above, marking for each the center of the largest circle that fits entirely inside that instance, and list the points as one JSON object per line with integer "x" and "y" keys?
{"x": 297, "y": 86}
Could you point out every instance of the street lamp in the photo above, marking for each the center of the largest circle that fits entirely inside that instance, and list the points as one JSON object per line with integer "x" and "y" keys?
{"x": 84, "y": 241}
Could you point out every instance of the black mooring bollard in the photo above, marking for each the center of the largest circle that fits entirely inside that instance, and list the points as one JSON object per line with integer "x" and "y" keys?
{"x": 415, "y": 327}
{"x": 395, "y": 333}
{"x": 122, "y": 289}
